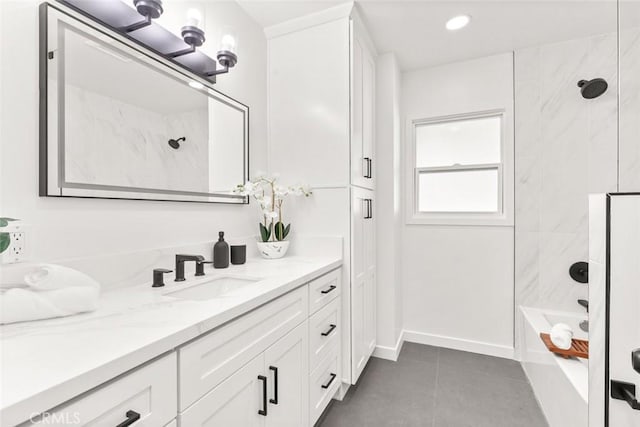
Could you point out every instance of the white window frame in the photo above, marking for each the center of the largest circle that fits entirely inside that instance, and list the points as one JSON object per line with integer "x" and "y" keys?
{"x": 504, "y": 215}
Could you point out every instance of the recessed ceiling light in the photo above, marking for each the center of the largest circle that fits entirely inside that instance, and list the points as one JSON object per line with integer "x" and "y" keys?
{"x": 196, "y": 85}
{"x": 458, "y": 22}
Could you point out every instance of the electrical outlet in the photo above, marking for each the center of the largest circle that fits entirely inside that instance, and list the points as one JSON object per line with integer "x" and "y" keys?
{"x": 16, "y": 252}
{"x": 17, "y": 247}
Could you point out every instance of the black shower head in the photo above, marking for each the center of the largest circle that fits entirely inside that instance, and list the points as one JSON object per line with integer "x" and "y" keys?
{"x": 592, "y": 88}
{"x": 175, "y": 143}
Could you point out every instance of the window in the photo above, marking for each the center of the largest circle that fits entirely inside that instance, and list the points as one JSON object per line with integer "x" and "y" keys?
{"x": 458, "y": 169}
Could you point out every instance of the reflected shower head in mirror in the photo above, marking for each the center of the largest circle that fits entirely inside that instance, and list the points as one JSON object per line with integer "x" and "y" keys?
{"x": 592, "y": 88}
{"x": 175, "y": 143}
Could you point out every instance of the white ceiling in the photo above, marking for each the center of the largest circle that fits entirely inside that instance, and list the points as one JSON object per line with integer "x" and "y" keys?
{"x": 415, "y": 31}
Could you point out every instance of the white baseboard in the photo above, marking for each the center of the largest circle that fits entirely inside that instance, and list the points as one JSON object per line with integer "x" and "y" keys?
{"x": 390, "y": 353}
{"x": 480, "y": 347}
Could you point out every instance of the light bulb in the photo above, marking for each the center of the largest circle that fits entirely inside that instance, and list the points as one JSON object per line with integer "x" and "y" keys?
{"x": 228, "y": 43}
{"x": 194, "y": 18}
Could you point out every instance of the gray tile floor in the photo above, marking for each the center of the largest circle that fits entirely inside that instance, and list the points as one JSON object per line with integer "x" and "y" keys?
{"x": 437, "y": 387}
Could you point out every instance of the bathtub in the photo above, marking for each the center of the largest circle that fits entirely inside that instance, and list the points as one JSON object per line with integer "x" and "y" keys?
{"x": 560, "y": 385}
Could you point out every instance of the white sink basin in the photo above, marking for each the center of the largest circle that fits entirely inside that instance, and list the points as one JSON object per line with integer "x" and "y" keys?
{"x": 217, "y": 287}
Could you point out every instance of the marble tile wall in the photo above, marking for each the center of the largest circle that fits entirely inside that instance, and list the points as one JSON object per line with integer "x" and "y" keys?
{"x": 565, "y": 149}
{"x": 630, "y": 108}
{"x": 110, "y": 142}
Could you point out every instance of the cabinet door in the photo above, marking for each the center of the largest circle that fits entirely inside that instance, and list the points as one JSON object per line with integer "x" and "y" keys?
{"x": 287, "y": 370}
{"x": 309, "y": 105}
{"x": 362, "y": 305}
{"x": 368, "y": 113}
{"x": 358, "y": 168}
{"x": 235, "y": 402}
{"x": 369, "y": 256}
{"x": 362, "y": 111}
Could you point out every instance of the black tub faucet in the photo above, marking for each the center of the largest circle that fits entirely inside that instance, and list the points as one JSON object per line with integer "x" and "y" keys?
{"x": 180, "y": 260}
{"x": 584, "y": 303}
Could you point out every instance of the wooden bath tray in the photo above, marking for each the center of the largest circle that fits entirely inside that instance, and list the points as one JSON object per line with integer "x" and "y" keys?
{"x": 579, "y": 348}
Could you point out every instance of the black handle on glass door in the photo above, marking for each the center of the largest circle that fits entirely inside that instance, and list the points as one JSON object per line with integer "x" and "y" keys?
{"x": 625, "y": 391}
{"x": 132, "y": 417}
{"x": 263, "y": 411}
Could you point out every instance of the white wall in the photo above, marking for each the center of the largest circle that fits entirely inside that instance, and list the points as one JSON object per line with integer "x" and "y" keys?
{"x": 63, "y": 228}
{"x": 458, "y": 280}
{"x": 388, "y": 183}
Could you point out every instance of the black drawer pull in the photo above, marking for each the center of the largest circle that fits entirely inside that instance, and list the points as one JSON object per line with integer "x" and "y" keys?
{"x": 132, "y": 417}
{"x": 331, "y": 328}
{"x": 326, "y": 291}
{"x": 263, "y": 411}
{"x": 333, "y": 377}
{"x": 275, "y": 385}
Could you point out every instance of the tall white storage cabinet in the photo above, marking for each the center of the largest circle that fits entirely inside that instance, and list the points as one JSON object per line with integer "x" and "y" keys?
{"x": 321, "y": 132}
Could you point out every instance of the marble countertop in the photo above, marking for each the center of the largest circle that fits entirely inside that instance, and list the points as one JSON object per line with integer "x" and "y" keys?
{"x": 45, "y": 363}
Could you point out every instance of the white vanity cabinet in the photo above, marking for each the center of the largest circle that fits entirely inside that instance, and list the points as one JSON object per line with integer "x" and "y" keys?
{"x": 270, "y": 390}
{"x": 257, "y": 370}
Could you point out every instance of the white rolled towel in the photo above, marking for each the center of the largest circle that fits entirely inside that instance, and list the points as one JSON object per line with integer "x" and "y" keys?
{"x": 561, "y": 336}
{"x": 52, "y": 291}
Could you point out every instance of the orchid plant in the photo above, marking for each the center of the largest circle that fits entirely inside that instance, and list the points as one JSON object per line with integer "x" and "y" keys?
{"x": 270, "y": 196}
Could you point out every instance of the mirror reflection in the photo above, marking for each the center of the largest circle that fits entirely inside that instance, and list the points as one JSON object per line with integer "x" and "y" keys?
{"x": 132, "y": 127}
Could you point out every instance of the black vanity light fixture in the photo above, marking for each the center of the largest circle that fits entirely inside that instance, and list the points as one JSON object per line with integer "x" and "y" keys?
{"x": 191, "y": 33}
{"x": 164, "y": 43}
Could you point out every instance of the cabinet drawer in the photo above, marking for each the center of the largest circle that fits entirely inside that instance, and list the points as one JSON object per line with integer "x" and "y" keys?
{"x": 149, "y": 391}
{"x": 324, "y": 289}
{"x": 324, "y": 383}
{"x": 206, "y": 362}
{"x": 324, "y": 332}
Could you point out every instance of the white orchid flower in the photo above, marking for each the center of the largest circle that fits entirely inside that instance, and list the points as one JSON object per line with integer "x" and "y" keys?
{"x": 280, "y": 191}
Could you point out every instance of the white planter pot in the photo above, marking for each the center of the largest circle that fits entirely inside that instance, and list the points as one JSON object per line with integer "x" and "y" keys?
{"x": 273, "y": 250}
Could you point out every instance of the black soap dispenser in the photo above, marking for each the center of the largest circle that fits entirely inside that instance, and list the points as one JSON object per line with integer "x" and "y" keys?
{"x": 221, "y": 252}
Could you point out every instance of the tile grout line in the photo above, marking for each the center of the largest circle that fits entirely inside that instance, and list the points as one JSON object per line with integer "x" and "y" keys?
{"x": 435, "y": 390}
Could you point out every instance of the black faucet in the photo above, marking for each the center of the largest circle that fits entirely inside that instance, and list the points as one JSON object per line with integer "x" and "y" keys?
{"x": 158, "y": 273}
{"x": 584, "y": 303}
{"x": 180, "y": 259}
{"x": 200, "y": 267}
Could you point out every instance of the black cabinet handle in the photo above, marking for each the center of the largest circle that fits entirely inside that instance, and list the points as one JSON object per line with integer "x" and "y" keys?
{"x": 368, "y": 168}
{"x": 263, "y": 411}
{"x": 333, "y": 377}
{"x": 331, "y": 328}
{"x": 625, "y": 391}
{"x": 326, "y": 291}
{"x": 368, "y": 208}
{"x": 275, "y": 385}
{"x": 132, "y": 417}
